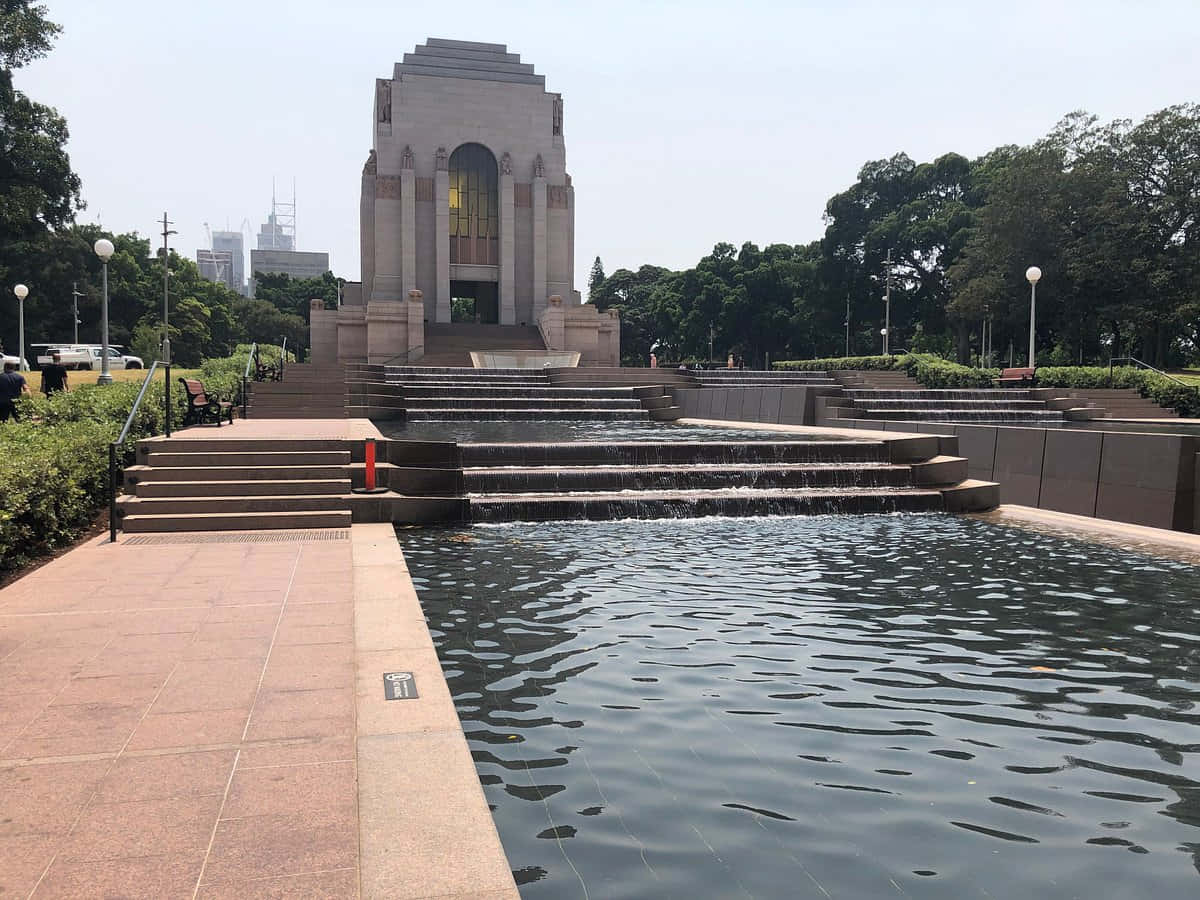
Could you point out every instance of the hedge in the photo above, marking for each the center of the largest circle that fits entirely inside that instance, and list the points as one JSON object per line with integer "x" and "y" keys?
{"x": 54, "y": 462}
{"x": 934, "y": 372}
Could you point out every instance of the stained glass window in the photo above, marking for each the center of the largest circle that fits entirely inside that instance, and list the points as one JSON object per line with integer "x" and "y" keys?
{"x": 474, "y": 206}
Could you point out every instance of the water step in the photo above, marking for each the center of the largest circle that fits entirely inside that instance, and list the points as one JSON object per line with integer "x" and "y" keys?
{"x": 684, "y": 504}
{"x": 549, "y": 479}
{"x": 236, "y": 521}
{"x": 642, "y": 453}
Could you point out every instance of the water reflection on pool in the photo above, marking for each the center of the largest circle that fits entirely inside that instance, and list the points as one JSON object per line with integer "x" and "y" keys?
{"x": 919, "y": 706}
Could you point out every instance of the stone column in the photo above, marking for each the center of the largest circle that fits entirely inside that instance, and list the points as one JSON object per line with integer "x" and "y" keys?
{"x": 539, "y": 243}
{"x": 441, "y": 205}
{"x": 508, "y": 243}
{"x": 416, "y": 326}
{"x": 408, "y": 228}
{"x": 387, "y": 281}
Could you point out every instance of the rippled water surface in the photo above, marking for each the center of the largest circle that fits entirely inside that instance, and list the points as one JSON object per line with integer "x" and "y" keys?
{"x": 891, "y": 706}
{"x": 566, "y": 430}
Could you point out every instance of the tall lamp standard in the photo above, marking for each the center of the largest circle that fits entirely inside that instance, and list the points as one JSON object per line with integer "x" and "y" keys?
{"x": 104, "y": 250}
{"x": 22, "y": 292}
{"x": 1033, "y": 274}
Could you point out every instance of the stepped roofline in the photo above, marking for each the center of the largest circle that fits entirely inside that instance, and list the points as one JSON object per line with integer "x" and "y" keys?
{"x": 441, "y": 58}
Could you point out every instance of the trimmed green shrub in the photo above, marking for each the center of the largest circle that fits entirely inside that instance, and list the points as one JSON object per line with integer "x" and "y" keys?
{"x": 932, "y": 371}
{"x": 54, "y": 462}
{"x": 1184, "y": 399}
{"x": 836, "y": 363}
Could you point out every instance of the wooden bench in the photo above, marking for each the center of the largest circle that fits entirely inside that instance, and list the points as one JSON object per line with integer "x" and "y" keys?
{"x": 1020, "y": 377}
{"x": 201, "y": 407}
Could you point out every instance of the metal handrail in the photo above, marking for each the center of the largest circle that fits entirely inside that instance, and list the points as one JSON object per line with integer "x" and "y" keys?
{"x": 113, "y": 445}
{"x": 283, "y": 357}
{"x": 1144, "y": 365}
{"x": 246, "y": 375}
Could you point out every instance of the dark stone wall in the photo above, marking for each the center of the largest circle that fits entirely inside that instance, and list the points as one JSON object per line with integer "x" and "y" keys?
{"x": 1143, "y": 479}
{"x": 776, "y": 405}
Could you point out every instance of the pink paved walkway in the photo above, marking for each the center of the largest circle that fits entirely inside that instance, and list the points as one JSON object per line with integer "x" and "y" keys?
{"x": 183, "y": 720}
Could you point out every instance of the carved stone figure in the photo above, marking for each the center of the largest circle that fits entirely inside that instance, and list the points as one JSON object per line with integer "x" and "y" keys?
{"x": 406, "y": 157}
{"x": 558, "y": 116}
{"x": 505, "y": 164}
{"x": 383, "y": 100}
{"x": 539, "y": 167}
{"x": 371, "y": 165}
{"x": 441, "y": 159}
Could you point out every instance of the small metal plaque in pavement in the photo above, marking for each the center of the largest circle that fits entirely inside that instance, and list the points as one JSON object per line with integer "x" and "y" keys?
{"x": 399, "y": 686}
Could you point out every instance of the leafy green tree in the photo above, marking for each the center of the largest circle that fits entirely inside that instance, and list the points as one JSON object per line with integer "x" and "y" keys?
{"x": 264, "y": 323}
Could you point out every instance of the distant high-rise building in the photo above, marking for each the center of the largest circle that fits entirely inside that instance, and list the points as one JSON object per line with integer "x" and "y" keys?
{"x": 294, "y": 263}
{"x": 219, "y": 266}
{"x": 275, "y": 236}
{"x": 232, "y": 241}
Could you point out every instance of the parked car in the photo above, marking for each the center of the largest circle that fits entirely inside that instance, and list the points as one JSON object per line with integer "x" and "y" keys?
{"x": 88, "y": 356}
{"x": 15, "y": 360}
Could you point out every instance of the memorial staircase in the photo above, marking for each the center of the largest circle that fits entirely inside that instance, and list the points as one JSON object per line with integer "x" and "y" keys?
{"x": 955, "y": 405}
{"x": 454, "y": 393}
{"x": 192, "y": 483}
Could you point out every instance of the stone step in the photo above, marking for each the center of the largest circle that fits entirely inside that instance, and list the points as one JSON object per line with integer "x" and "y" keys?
{"x": 690, "y": 504}
{"x": 491, "y": 415}
{"x": 241, "y": 503}
{"x": 307, "y": 413}
{"x": 519, "y": 403}
{"x": 280, "y": 457}
{"x": 236, "y": 521}
{"x": 260, "y": 488}
{"x": 538, "y": 390}
{"x": 140, "y": 473}
{"x": 188, "y": 444}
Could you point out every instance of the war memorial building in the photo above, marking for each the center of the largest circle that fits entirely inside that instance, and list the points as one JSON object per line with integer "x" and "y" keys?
{"x": 467, "y": 217}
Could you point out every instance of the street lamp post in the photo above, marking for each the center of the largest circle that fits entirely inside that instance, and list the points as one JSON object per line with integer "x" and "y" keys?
{"x": 22, "y": 292}
{"x": 1032, "y": 275}
{"x": 104, "y": 250}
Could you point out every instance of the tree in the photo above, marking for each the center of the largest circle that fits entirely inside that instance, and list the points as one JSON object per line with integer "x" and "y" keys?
{"x": 38, "y": 190}
{"x": 595, "y": 279}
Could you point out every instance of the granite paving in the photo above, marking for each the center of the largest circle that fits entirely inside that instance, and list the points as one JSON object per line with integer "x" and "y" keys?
{"x": 195, "y": 719}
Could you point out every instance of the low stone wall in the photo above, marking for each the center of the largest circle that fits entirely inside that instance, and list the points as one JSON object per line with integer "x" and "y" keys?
{"x": 774, "y": 405}
{"x": 1140, "y": 478}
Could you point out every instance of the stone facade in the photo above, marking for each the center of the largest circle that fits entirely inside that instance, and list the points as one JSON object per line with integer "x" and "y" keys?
{"x": 508, "y": 242}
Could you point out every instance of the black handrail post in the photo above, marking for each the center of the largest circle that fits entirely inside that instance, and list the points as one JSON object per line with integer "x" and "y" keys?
{"x": 167, "y": 394}
{"x": 1110, "y": 378}
{"x": 112, "y": 492}
{"x": 245, "y": 392}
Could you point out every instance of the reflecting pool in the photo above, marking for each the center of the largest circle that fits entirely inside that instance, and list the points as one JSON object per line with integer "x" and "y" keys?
{"x": 862, "y": 707}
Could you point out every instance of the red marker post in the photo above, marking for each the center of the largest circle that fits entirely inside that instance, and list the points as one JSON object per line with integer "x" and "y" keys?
{"x": 369, "y": 470}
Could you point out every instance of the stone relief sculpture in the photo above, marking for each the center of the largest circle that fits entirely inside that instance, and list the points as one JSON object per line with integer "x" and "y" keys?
{"x": 505, "y": 164}
{"x": 558, "y": 116}
{"x": 441, "y": 159}
{"x": 539, "y": 168}
{"x": 383, "y": 100}
{"x": 406, "y": 157}
{"x": 371, "y": 165}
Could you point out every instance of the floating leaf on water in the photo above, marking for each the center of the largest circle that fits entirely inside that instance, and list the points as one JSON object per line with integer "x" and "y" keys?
{"x": 1042, "y": 669}
{"x": 462, "y": 538}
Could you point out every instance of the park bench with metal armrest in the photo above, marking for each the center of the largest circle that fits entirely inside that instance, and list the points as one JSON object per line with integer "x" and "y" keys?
{"x": 1026, "y": 377}
{"x": 202, "y": 407}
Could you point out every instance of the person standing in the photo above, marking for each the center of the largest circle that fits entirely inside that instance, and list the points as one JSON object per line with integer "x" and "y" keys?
{"x": 54, "y": 376}
{"x": 12, "y": 386}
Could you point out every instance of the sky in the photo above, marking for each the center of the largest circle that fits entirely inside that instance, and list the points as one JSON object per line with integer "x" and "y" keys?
{"x": 685, "y": 124}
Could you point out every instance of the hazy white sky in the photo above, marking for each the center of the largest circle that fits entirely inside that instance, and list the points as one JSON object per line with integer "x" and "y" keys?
{"x": 685, "y": 123}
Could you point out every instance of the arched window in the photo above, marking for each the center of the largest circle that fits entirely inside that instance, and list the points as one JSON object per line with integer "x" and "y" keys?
{"x": 474, "y": 207}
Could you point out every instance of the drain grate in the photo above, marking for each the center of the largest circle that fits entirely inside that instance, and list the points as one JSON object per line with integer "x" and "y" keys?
{"x": 307, "y": 535}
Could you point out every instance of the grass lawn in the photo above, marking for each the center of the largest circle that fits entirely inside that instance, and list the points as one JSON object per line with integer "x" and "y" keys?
{"x": 75, "y": 379}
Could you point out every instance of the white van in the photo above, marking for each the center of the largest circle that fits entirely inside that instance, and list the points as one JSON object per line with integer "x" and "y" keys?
{"x": 88, "y": 356}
